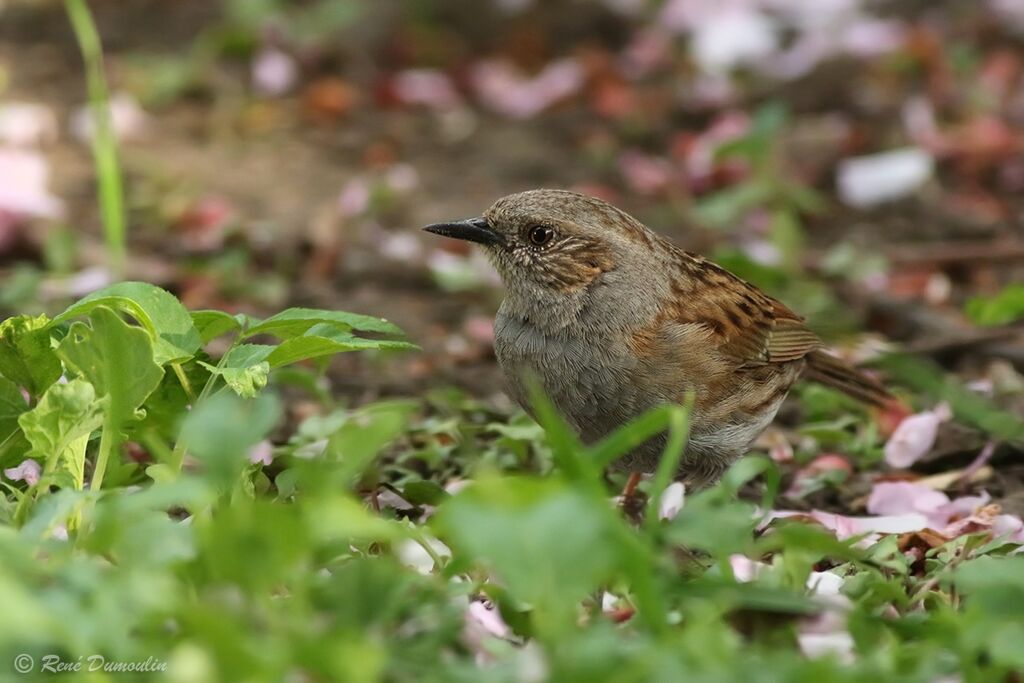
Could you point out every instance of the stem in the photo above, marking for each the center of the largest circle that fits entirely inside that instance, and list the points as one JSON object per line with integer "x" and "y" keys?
{"x": 108, "y": 441}
{"x": 178, "y": 454}
{"x": 104, "y": 142}
{"x": 678, "y": 432}
{"x": 185, "y": 384}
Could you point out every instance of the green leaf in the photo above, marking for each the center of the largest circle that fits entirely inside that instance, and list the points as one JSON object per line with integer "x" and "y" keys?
{"x": 364, "y": 435}
{"x": 713, "y": 523}
{"x": 244, "y": 368}
{"x": 221, "y": 430}
{"x": 1005, "y": 307}
{"x": 25, "y": 354}
{"x": 549, "y": 542}
{"x": 211, "y": 324}
{"x": 247, "y": 381}
{"x": 995, "y": 585}
{"x": 424, "y": 492}
{"x": 317, "y": 346}
{"x": 156, "y": 309}
{"x": 65, "y": 413}
{"x": 294, "y": 322}
{"x": 12, "y": 405}
{"x": 116, "y": 358}
{"x": 725, "y": 207}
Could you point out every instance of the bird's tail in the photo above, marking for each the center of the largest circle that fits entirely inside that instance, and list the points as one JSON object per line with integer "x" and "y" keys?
{"x": 838, "y": 374}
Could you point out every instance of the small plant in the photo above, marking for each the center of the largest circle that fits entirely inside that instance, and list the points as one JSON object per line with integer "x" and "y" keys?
{"x": 128, "y": 362}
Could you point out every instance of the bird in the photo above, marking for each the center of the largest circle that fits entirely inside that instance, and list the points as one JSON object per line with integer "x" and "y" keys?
{"x": 612, "y": 320}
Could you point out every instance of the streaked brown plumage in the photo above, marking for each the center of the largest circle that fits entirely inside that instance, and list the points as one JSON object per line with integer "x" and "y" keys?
{"x": 613, "y": 319}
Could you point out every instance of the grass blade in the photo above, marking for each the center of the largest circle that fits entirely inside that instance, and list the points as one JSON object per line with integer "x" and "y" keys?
{"x": 104, "y": 142}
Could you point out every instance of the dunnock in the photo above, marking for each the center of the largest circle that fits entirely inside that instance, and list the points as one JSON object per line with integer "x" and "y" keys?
{"x": 613, "y": 320}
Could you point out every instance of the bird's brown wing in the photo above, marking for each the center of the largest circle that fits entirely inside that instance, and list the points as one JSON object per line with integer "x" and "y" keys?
{"x": 752, "y": 330}
{"x": 745, "y": 324}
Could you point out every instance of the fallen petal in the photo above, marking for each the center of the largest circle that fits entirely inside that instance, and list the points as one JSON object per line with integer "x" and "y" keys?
{"x": 870, "y": 180}
{"x": 23, "y": 124}
{"x": 914, "y": 437}
{"x": 24, "y": 177}
{"x": 274, "y": 72}
{"x": 671, "y": 500}
{"x": 28, "y": 471}
{"x": 900, "y": 497}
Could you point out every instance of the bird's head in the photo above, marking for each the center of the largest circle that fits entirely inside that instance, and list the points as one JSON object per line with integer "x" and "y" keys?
{"x": 552, "y": 239}
{"x": 555, "y": 249}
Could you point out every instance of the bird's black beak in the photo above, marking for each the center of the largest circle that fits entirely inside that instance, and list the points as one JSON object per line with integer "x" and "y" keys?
{"x": 472, "y": 230}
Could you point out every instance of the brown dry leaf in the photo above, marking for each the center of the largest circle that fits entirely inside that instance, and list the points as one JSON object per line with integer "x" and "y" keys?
{"x": 328, "y": 99}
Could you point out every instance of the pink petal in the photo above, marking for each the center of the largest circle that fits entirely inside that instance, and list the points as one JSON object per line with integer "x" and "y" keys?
{"x": 402, "y": 178}
{"x": 671, "y": 500}
{"x": 23, "y": 124}
{"x": 486, "y": 614}
{"x": 839, "y": 644}
{"x": 744, "y": 568}
{"x": 1009, "y": 525}
{"x": 24, "y": 177}
{"x": 645, "y": 174}
{"x": 354, "y": 198}
{"x": 413, "y": 555}
{"x": 426, "y": 87}
{"x": 824, "y": 583}
{"x": 262, "y": 453}
{"x": 274, "y": 72}
{"x": 28, "y": 471}
{"x": 914, "y": 437}
{"x": 845, "y": 527}
{"x": 965, "y": 506}
{"x": 901, "y": 497}
{"x": 504, "y": 89}
{"x": 127, "y": 118}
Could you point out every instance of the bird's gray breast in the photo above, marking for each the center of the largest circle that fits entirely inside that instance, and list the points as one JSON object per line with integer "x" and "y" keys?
{"x": 587, "y": 378}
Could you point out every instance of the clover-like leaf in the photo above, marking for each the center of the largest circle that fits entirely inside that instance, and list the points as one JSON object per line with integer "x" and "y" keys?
{"x": 116, "y": 358}
{"x": 64, "y": 414}
{"x": 175, "y": 337}
{"x": 25, "y": 354}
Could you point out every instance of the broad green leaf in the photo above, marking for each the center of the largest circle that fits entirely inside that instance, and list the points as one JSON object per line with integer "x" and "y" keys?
{"x": 364, "y": 435}
{"x": 12, "y": 404}
{"x": 550, "y": 543}
{"x": 997, "y": 584}
{"x": 340, "y": 518}
{"x": 212, "y": 324}
{"x": 713, "y": 523}
{"x": 307, "y": 347}
{"x": 294, "y": 322}
{"x": 25, "y": 354}
{"x": 65, "y": 413}
{"x": 116, "y": 358}
{"x": 156, "y": 309}
{"x": 221, "y": 430}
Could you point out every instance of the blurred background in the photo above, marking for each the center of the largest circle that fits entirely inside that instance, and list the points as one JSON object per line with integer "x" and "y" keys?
{"x": 861, "y": 159}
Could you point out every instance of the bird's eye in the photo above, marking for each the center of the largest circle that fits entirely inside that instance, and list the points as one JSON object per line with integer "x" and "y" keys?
{"x": 540, "y": 235}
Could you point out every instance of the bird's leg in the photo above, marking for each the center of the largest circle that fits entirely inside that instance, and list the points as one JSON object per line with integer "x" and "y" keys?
{"x": 631, "y": 484}
{"x": 633, "y": 501}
